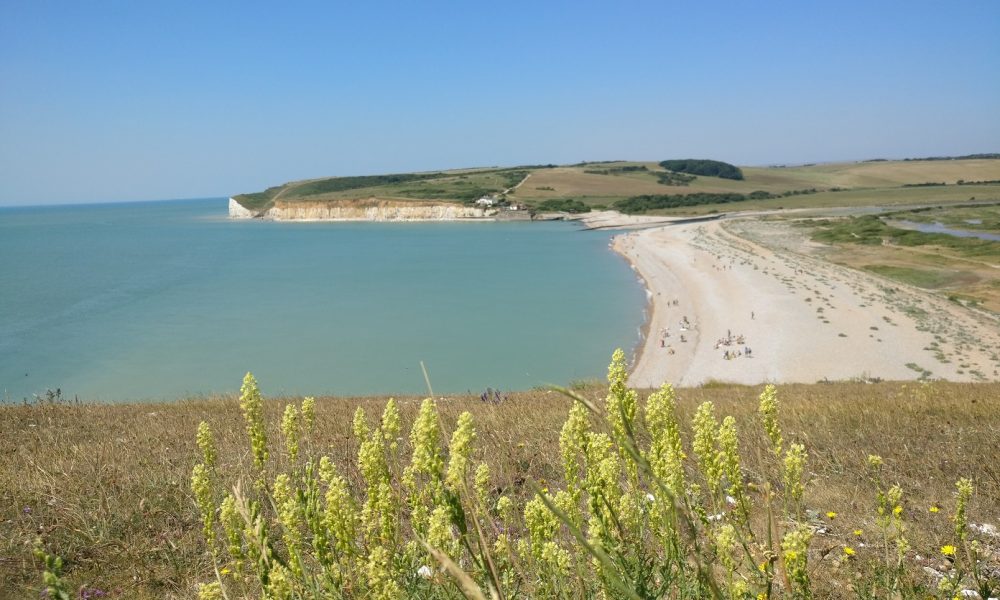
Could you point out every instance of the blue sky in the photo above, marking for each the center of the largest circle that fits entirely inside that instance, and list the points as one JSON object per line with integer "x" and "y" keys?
{"x": 108, "y": 101}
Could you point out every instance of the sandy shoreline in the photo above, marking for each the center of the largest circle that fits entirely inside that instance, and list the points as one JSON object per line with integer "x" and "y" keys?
{"x": 721, "y": 288}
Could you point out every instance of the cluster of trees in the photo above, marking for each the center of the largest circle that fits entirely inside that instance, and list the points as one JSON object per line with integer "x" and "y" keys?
{"x": 959, "y": 182}
{"x": 982, "y": 182}
{"x": 646, "y": 203}
{"x": 708, "y": 168}
{"x": 562, "y": 205}
{"x": 762, "y": 195}
{"x": 965, "y": 157}
{"x": 617, "y": 170}
{"x": 674, "y": 178}
{"x": 641, "y": 204}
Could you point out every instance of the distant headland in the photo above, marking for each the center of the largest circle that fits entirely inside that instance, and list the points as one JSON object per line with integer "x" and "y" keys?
{"x": 674, "y": 186}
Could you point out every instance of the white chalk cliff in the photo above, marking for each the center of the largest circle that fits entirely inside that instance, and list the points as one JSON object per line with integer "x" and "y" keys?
{"x": 236, "y": 211}
{"x": 363, "y": 210}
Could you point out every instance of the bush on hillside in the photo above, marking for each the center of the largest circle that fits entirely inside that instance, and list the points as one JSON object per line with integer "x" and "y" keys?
{"x": 562, "y": 205}
{"x": 709, "y": 168}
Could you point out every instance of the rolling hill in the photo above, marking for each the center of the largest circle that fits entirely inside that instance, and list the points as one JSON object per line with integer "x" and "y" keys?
{"x": 611, "y": 184}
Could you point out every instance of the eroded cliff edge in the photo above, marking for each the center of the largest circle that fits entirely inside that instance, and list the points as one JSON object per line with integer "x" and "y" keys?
{"x": 372, "y": 209}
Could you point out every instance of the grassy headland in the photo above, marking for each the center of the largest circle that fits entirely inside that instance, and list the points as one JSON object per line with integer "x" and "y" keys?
{"x": 667, "y": 187}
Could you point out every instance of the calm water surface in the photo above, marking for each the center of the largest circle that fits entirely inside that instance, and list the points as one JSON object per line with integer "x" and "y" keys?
{"x": 937, "y": 227}
{"x": 169, "y": 299}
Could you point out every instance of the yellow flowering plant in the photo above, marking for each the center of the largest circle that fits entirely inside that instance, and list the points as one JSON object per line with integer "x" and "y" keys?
{"x": 633, "y": 515}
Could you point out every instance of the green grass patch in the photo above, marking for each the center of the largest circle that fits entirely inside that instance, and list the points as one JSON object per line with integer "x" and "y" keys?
{"x": 871, "y": 230}
{"x": 924, "y": 278}
{"x": 973, "y": 218}
{"x": 339, "y": 184}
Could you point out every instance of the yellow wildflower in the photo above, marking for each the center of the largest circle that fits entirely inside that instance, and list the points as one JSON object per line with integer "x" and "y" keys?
{"x": 848, "y": 551}
{"x": 232, "y": 525}
{"x": 858, "y": 532}
{"x": 460, "y": 448}
{"x": 290, "y": 429}
{"x": 252, "y": 405}
{"x": 795, "y": 546}
{"x": 948, "y": 550}
{"x": 206, "y": 441}
{"x": 795, "y": 465}
{"x": 621, "y": 404}
{"x": 964, "y": 494}
{"x": 768, "y": 411}
{"x": 706, "y": 444}
{"x": 309, "y": 413}
{"x": 201, "y": 485}
{"x": 831, "y": 515}
{"x": 898, "y": 510}
{"x": 728, "y": 459}
{"x": 210, "y": 591}
{"x": 934, "y": 509}
{"x": 666, "y": 452}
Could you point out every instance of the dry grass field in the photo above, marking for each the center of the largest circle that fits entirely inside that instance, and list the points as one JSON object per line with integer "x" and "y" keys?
{"x": 893, "y": 173}
{"x": 107, "y": 487}
{"x": 574, "y": 182}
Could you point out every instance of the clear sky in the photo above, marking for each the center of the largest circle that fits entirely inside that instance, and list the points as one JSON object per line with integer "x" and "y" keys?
{"x": 107, "y": 101}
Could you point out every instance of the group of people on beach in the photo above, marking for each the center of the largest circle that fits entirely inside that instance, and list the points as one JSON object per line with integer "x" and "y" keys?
{"x": 745, "y": 351}
{"x": 731, "y": 340}
{"x": 683, "y": 325}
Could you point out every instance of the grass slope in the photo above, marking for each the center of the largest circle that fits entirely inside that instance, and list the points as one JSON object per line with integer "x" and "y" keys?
{"x": 604, "y": 183}
{"x": 107, "y": 486}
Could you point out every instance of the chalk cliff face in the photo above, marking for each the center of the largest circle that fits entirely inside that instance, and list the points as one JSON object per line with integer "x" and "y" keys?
{"x": 236, "y": 211}
{"x": 363, "y": 210}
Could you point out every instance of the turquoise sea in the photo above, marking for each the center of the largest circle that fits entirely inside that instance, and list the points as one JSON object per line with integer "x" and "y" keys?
{"x": 163, "y": 300}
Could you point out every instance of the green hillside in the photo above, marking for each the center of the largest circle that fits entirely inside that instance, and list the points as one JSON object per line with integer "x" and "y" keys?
{"x": 688, "y": 186}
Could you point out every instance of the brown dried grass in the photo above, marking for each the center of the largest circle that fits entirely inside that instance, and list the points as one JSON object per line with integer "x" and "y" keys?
{"x": 107, "y": 486}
